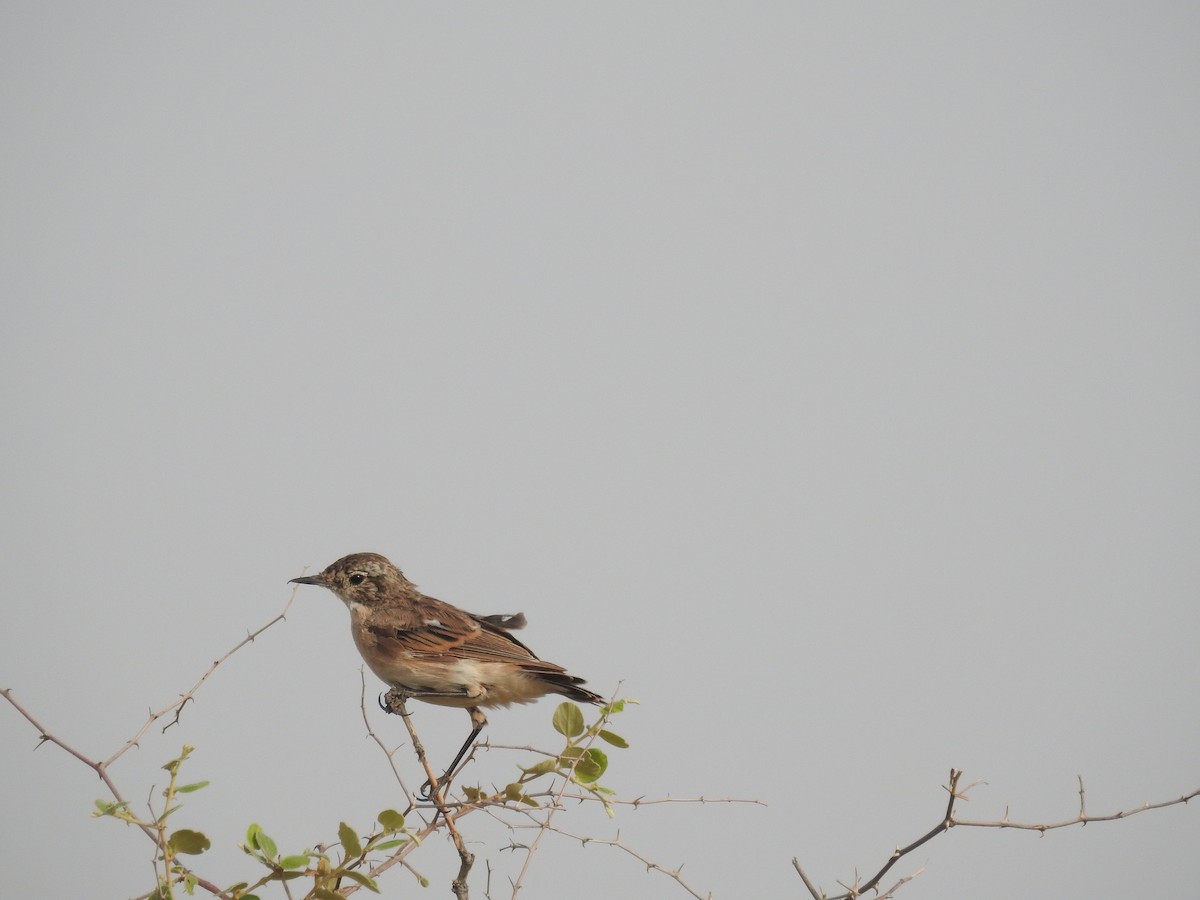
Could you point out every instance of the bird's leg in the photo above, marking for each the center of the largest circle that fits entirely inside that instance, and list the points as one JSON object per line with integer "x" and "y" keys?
{"x": 396, "y": 697}
{"x": 478, "y": 720}
{"x": 390, "y": 700}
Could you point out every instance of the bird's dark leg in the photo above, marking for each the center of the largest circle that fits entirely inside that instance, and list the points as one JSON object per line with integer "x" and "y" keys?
{"x": 395, "y": 697}
{"x": 478, "y": 720}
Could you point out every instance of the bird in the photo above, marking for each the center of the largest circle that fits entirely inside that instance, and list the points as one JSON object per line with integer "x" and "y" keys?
{"x": 430, "y": 650}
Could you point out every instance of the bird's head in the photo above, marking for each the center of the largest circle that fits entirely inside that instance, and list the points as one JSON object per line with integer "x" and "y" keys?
{"x": 360, "y": 578}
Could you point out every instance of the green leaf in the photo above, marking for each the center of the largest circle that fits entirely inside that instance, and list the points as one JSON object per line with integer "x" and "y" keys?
{"x": 616, "y": 706}
{"x": 368, "y": 883}
{"x": 391, "y": 820}
{"x": 615, "y": 739}
{"x": 514, "y": 794}
{"x": 299, "y": 861}
{"x": 388, "y": 845}
{"x": 267, "y": 846}
{"x": 167, "y": 812}
{"x": 568, "y": 720}
{"x": 111, "y": 808}
{"x": 350, "y": 843}
{"x": 591, "y": 766}
{"x": 326, "y": 894}
{"x": 187, "y": 841}
{"x": 252, "y": 832}
{"x": 173, "y": 765}
{"x": 194, "y": 786}
{"x": 546, "y": 765}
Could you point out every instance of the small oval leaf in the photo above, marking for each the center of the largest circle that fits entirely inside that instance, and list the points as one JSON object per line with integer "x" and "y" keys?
{"x": 568, "y": 720}
{"x": 266, "y": 845}
{"x": 349, "y": 839}
{"x": 368, "y": 883}
{"x": 187, "y": 841}
{"x": 591, "y": 766}
{"x": 299, "y": 861}
{"x": 615, "y": 739}
{"x": 391, "y": 820}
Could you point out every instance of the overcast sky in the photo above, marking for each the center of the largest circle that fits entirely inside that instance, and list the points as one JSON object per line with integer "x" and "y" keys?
{"x": 827, "y": 374}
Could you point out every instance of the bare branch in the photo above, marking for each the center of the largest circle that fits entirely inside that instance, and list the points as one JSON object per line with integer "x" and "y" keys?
{"x": 101, "y": 766}
{"x": 177, "y": 706}
{"x": 466, "y": 858}
{"x": 949, "y": 820}
{"x": 650, "y": 865}
{"x": 390, "y": 754}
{"x": 557, "y": 801}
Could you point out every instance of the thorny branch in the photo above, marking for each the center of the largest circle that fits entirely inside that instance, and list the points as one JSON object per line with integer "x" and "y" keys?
{"x": 550, "y": 801}
{"x": 101, "y": 766}
{"x": 949, "y": 820}
{"x": 466, "y": 859}
{"x": 449, "y": 811}
{"x": 650, "y": 865}
{"x": 554, "y": 807}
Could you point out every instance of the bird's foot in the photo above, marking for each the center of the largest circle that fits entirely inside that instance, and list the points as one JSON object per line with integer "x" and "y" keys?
{"x": 425, "y": 794}
{"x": 387, "y": 698}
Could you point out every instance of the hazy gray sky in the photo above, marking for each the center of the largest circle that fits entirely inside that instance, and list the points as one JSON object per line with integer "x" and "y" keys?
{"x": 826, "y": 373}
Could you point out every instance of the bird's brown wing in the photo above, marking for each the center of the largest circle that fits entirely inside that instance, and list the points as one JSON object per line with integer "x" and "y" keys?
{"x": 432, "y": 629}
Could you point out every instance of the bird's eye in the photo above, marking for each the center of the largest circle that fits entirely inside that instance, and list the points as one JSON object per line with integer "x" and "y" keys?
{"x": 358, "y": 578}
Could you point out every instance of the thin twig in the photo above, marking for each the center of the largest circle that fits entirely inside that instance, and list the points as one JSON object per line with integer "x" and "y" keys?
{"x": 950, "y": 821}
{"x": 557, "y": 799}
{"x": 466, "y": 858}
{"x": 1081, "y": 819}
{"x": 100, "y": 767}
{"x": 390, "y": 754}
{"x": 650, "y": 865}
{"x": 177, "y": 706}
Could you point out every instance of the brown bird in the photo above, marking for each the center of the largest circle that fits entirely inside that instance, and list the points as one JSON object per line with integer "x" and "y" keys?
{"x": 432, "y": 651}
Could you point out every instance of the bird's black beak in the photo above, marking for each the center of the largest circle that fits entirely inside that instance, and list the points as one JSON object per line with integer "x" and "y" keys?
{"x": 308, "y": 579}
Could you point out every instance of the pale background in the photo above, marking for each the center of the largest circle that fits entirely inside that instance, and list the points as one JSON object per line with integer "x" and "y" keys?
{"x": 826, "y": 373}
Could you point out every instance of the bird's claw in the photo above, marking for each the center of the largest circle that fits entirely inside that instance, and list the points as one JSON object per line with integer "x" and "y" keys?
{"x": 386, "y": 705}
{"x": 425, "y": 794}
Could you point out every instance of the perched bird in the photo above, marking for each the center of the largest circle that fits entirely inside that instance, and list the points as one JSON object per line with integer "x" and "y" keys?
{"x": 432, "y": 651}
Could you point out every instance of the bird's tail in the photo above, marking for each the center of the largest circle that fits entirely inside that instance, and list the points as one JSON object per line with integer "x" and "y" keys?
{"x": 569, "y": 686}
